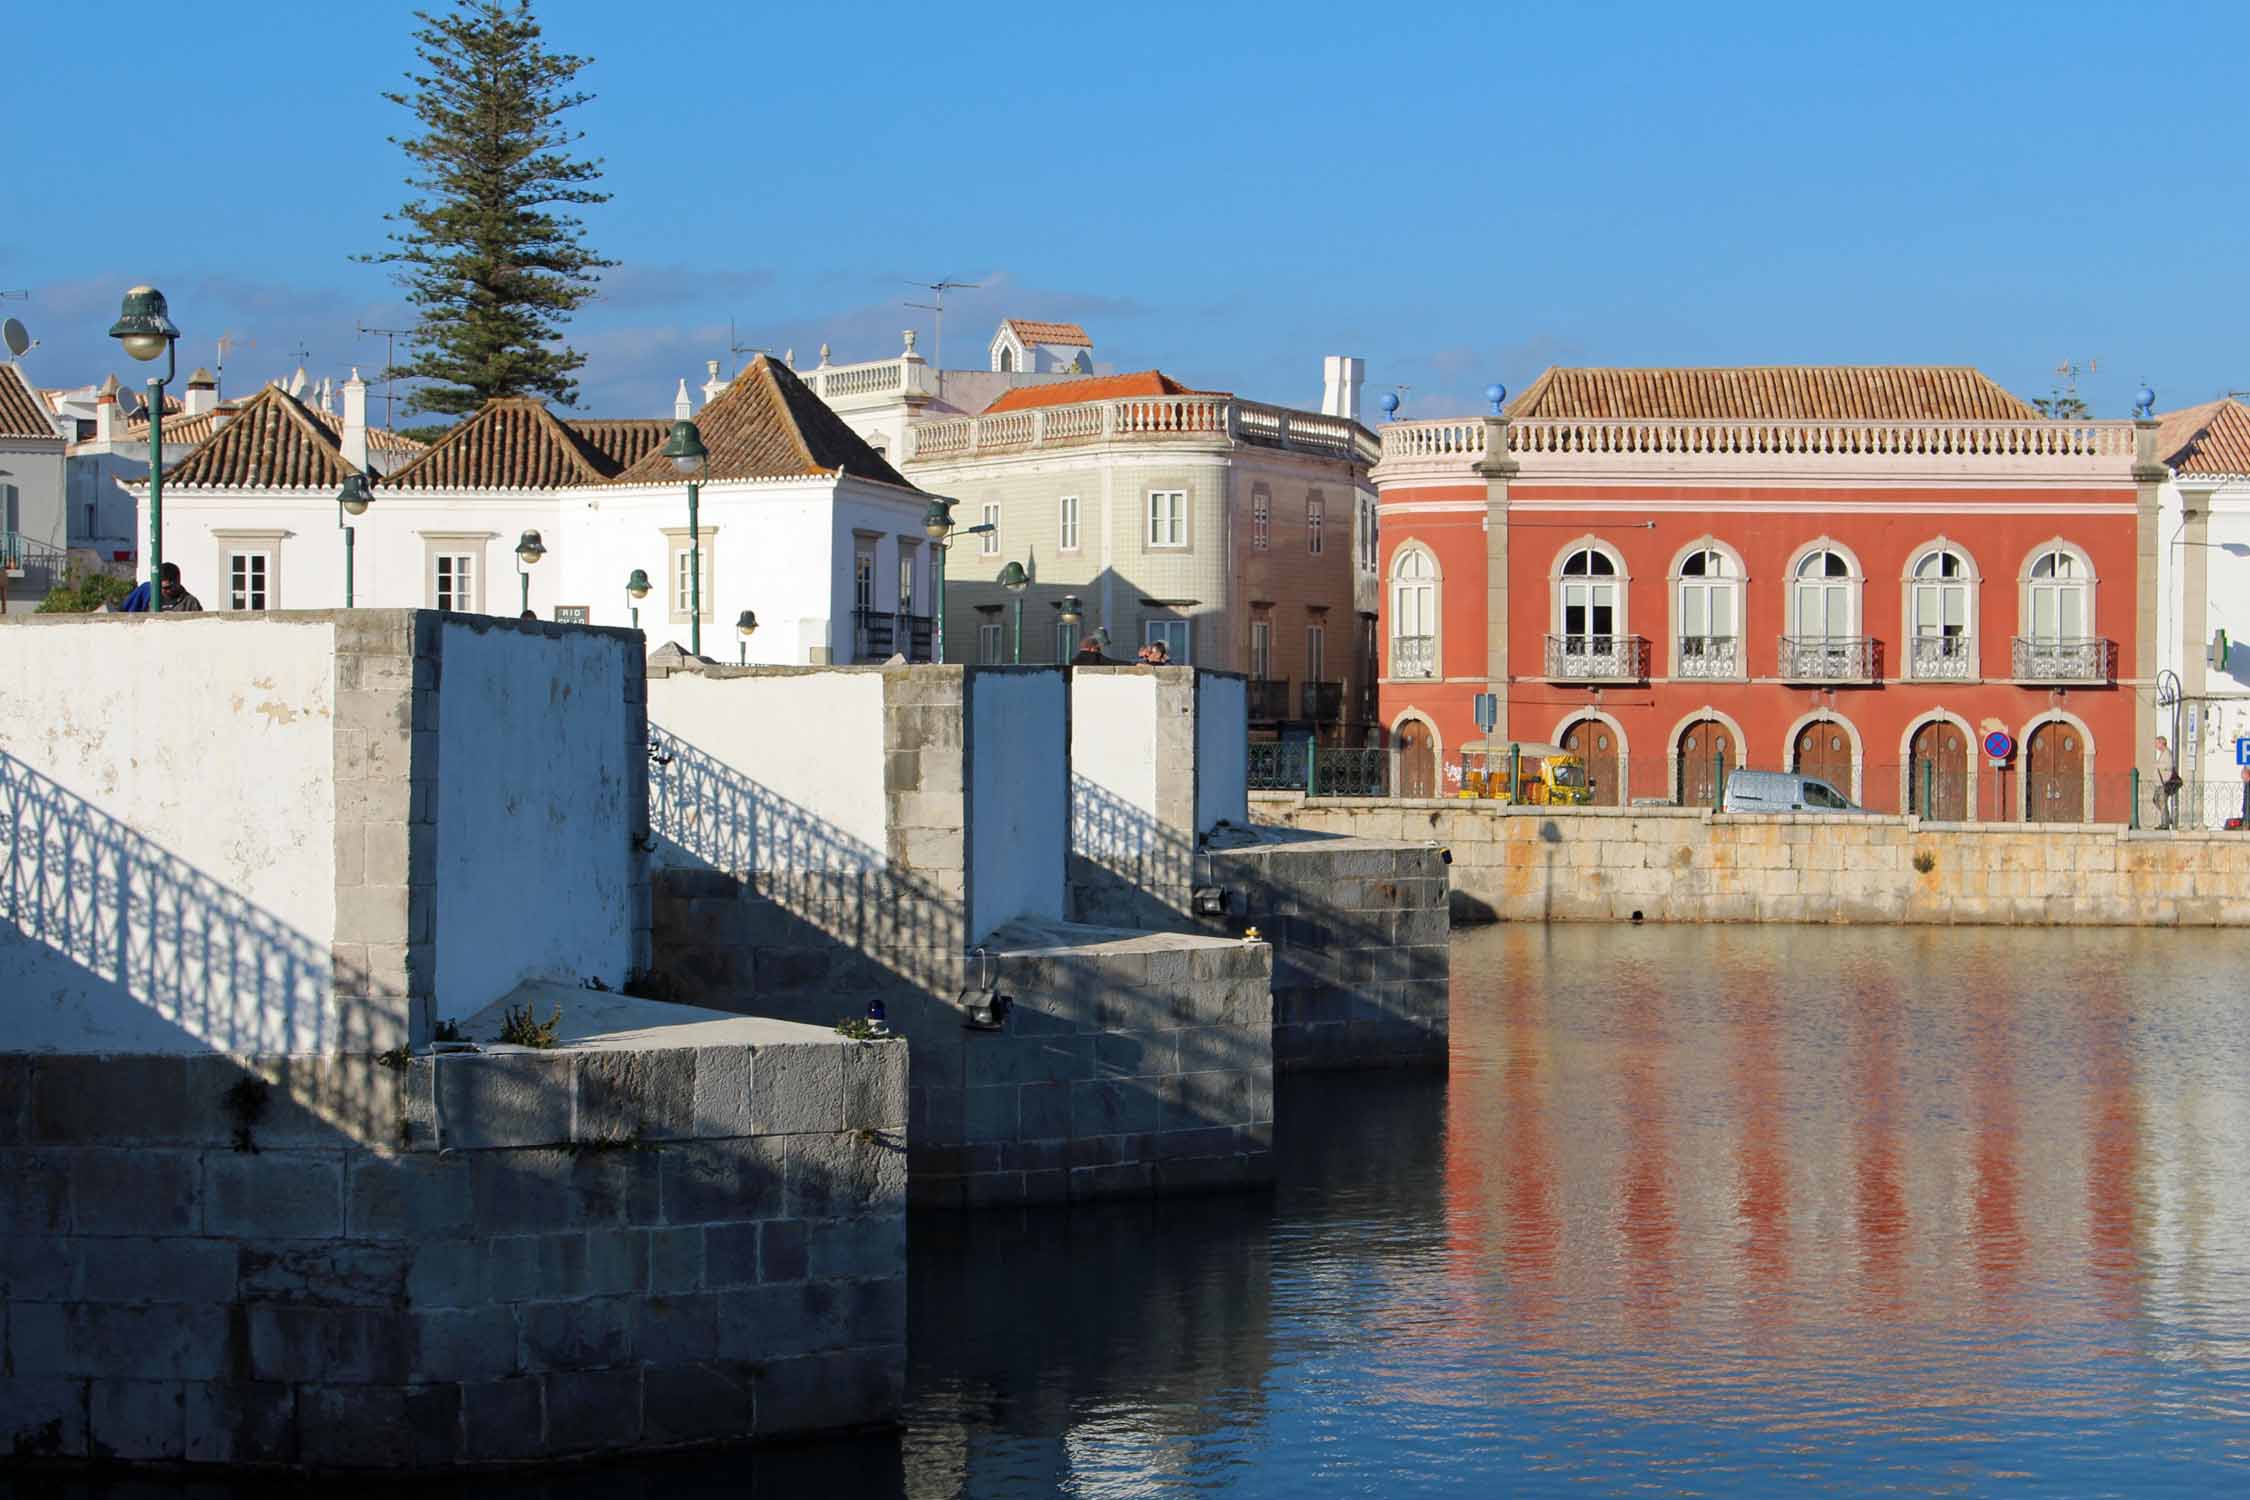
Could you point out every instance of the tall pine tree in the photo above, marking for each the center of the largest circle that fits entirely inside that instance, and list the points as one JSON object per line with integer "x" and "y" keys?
{"x": 491, "y": 271}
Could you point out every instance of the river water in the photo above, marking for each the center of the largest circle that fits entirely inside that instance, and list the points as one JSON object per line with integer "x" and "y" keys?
{"x": 1699, "y": 1211}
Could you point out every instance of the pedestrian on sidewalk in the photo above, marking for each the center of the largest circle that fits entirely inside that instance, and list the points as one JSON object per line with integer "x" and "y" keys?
{"x": 2167, "y": 785}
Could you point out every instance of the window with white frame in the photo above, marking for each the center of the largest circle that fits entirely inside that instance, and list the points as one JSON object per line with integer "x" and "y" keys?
{"x": 1068, "y": 524}
{"x": 1414, "y": 614}
{"x": 1173, "y": 636}
{"x": 1707, "y": 600}
{"x": 11, "y": 508}
{"x": 1261, "y": 649}
{"x": 1167, "y": 518}
{"x": 2061, "y": 605}
{"x": 989, "y": 543}
{"x": 682, "y": 575}
{"x": 1369, "y": 547}
{"x": 1316, "y": 518}
{"x": 863, "y": 580}
{"x": 1587, "y": 602}
{"x": 905, "y": 580}
{"x": 988, "y": 643}
{"x": 1316, "y": 653}
{"x": 453, "y": 582}
{"x": 1823, "y": 605}
{"x": 248, "y": 578}
{"x": 1941, "y": 606}
{"x": 1261, "y": 520}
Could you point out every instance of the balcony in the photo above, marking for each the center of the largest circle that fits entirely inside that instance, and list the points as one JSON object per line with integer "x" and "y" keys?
{"x": 2061, "y": 659}
{"x": 1597, "y": 658}
{"x": 1414, "y": 656}
{"x": 1324, "y": 701}
{"x": 1943, "y": 658}
{"x": 1709, "y": 656}
{"x": 1829, "y": 658}
{"x": 877, "y": 635}
{"x": 30, "y": 566}
{"x": 1269, "y": 699}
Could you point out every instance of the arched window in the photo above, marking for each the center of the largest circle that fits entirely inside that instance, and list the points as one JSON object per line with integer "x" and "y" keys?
{"x": 1707, "y": 604}
{"x": 1589, "y": 640}
{"x": 1414, "y": 613}
{"x": 1821, "y": 608}
{"x": 1824, "y": 643}
{"x": 2057, "y": 640}
{"x": 1941, "y": 594}
{"x": 1589, "y": 595}
{"x": 1007, "y": 358}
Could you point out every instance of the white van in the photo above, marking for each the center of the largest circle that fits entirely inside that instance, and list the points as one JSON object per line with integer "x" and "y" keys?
{"x": 1785, "y": 791}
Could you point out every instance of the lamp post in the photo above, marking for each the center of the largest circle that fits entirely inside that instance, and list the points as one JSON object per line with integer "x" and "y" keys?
{"x": 529, "y": 549}
{"x": 351, "y": 500}
{"x": 937, "y": 524}
{"x": 636, "y": 589}
{"x": 689, "y": 456}
{"x": 745, "y": 626}
{"x": 1073, "y": 615}
{"x": 144, "y": 327}
{"x": 1015, "y": 580}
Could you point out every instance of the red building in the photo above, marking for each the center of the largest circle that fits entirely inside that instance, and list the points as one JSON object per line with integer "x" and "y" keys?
{"x": 1854, "y": 572}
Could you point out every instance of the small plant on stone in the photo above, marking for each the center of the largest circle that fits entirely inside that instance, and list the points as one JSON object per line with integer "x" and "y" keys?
{"x": 520, "y": 1029}
{"x": 856, "y": 1029}
{"x": 1925, "y": 861}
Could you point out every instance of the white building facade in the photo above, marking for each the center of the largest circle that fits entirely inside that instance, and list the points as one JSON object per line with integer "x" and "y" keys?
{"x": 2203, "y": 604}
{"x": 32, "y": 526}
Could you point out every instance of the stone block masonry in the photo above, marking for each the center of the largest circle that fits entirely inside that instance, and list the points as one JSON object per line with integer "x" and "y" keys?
{"x": 1692, "y": 865}
{"x": 688, "y": 1228}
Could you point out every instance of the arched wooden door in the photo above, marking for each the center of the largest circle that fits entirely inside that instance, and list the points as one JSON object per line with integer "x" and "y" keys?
{"x": 2054, "y": 775}
{"x": 1595, "y": 743}
{"x": 1705, "y": 745}
{"x": 1937, "y": 776}
{"x": 1417, "y": 760}
{"x": 1824, "y": 749}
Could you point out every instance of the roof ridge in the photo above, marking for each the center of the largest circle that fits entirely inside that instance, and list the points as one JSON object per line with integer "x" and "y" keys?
{"x": 464, "y": 432}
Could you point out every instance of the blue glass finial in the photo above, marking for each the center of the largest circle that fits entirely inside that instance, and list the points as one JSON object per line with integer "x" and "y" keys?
{"x": 1497, "y": 394}
{"x": 1390, "y": 403}
{"x": 2144, "y": 402}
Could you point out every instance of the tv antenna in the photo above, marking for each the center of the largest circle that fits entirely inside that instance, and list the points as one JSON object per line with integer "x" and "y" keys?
{"x": 19, "y": 296}
{"x": 940, "y": 288}
{"x": 390, "y": 337}
{"x": 229, "y": 341}
{"x": 737, "y": 348}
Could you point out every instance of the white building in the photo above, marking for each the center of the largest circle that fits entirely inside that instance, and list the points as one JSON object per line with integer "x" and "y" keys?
{"x": 31, "y": 494}
{"x": 2203, "y": 594}
{"x": 800, "y": 521}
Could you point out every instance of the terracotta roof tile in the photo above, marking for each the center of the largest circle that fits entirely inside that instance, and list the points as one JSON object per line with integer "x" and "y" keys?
{"x": 273, "y": 442}
{"x": 2213, "y": 438}
{"x": 620, "y": 442}
{"x": 1033, "y": 332}
{"x": 1773, "y": 392}
{"x": 379, "y": 439}
{"x": 1093, "y": 388}
{"x": 23, "y": 414}
{"x": 767, "y": 424}
{"x": 511, "y": 443}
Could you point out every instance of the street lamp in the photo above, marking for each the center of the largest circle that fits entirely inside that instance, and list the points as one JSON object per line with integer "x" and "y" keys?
{"x": 529, "y": 550}
{"x": 636, "y": 589}
{"x": 1015, "y": 580}
{"x": 144, "y": 327}
{"x": 937, "y": 524}
{"x": 1073, "y": 615}
{"x": 352, "y": 500}
{"x": 745, "y": 626}
{"x": 689, "y": 456}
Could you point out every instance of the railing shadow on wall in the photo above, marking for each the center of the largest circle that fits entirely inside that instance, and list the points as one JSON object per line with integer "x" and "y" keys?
{"x": 157, "y": 957}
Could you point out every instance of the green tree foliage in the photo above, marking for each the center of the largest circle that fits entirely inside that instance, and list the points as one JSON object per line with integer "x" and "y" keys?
{"x": 84, "y": 592}
{"x": 491, "y": 270}
{"x": 2062, "y": 406}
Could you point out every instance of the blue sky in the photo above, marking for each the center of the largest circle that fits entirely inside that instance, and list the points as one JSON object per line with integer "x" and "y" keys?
{"x": 1459, "y": 194}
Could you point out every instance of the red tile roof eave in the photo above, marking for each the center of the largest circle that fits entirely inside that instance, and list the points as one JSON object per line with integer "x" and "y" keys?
{"x": 1781, "y": 393}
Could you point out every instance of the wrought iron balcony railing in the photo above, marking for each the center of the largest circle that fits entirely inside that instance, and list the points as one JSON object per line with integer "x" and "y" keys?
{"x": 2053, "y": 659}
{"x": 1597, "y": 658}
{"x": 1269, "y": 699}
{"x": 880, "y": 634}
{"x": 1828, "y": 658}
{"x": 1943, "y": 658}
{"x": 1413, "y": 656}
{"x": 1710, "y": 656}
{"x": 1323, "y": 701}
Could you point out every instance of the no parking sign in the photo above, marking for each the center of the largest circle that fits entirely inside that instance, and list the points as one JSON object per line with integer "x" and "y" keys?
{"x": 1999, "y": 746}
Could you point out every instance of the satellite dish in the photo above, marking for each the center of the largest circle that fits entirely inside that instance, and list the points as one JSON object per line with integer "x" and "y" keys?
{"x": 13, "y": 334}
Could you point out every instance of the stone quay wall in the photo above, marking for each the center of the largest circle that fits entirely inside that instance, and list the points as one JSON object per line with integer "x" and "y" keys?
{"x": 460, "y": 1259}
{"x": 1532, "y": 864}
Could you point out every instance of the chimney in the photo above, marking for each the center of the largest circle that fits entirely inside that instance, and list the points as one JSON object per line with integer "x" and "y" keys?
{"x": 355, "y": 422}
{"x": 221, "y": 414}
{"x": 107, "y": 426}
{"x": 683, "y": 405}
{"x": 712, "y": 385}
{"x": 1340, "y": 394}
{"x": 202, "y": 393}
{"x": 328, "y": 394}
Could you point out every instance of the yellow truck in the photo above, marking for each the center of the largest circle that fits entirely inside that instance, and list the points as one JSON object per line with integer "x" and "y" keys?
{"x": 1548, "y": 775}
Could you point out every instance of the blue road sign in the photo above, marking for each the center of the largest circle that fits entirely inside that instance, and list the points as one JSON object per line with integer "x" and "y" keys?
{"x": 2242, "y": 752}
{"x": 1998, "y": 745}
{"x": 1488, "y": 711}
